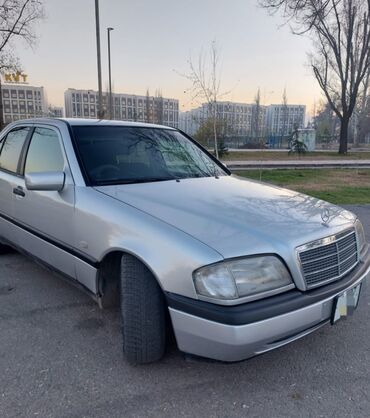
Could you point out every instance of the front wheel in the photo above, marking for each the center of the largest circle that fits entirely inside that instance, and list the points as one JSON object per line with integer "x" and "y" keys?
{"x": 4, "y": 249}
{"x": 143, "y": 313}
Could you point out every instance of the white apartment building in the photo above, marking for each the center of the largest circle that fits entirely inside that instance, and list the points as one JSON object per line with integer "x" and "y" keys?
{"x": 21, "y": 101}
{"x": 282, "y": 119}
{"x": 241, "y": 119}
{"x": 129, "y": 107}
{"x": 55, "y": 112}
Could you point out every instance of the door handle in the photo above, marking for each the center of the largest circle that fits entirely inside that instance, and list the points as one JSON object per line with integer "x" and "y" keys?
{"x": 19, "y": 191}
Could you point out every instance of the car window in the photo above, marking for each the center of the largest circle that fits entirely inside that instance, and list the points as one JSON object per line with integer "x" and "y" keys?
{"x": 12, "y": 148}
{"x": 44, "y": 152}
{"x": 135, "y": 154}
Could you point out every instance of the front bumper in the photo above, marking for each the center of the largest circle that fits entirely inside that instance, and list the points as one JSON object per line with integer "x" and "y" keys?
{"x": 239, "y": 332}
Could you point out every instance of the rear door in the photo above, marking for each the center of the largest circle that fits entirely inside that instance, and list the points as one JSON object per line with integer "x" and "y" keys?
{"x": 46, "y": 218}
{"x": 11, "y": 147}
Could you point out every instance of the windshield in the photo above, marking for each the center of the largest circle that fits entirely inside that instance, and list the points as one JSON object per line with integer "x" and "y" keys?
{"x": 121, "y": 154}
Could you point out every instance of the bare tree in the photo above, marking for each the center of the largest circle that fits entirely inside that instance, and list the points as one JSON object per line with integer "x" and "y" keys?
{"x": 363, "y": 111}
{"x": 205, "y": 81}
{"x": 148, "y": 118}
{"x": 256, "y": 115}
{"x": 17, "y": 20}
{"x": 284, "y": 118}
{"x": 340, "y": 30}
{"x": 158, "y": 107}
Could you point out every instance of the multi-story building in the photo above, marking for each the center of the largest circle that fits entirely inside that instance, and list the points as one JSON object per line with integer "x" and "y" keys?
{"x": 283, "y": 119}
{"x": 191, "y": 120}
{"x": 22, "y": 101}
{"x": 55, "y": 111}
{"x": 240, "y": 119}
{"x": 130, "y": 107}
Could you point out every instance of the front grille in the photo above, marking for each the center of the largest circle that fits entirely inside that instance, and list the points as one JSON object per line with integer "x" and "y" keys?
{"x": 328, "y": 259}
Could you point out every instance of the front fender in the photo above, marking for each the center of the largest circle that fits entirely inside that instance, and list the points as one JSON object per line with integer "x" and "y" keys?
{"x": 106, "y": 225}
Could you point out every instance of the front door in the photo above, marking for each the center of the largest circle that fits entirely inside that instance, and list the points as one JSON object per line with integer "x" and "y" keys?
{"x": 46, "y": 218}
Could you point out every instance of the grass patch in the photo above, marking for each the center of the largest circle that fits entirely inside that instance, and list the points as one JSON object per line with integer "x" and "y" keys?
{"x": 339, "y": 186}
{"x": 284, "y": 155}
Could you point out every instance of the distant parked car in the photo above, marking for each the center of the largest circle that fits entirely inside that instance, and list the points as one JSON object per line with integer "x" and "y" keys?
{"x": 143, "y": 216}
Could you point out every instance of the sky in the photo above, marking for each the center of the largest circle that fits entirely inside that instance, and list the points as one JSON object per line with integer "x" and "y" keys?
{"x": 151, "y": 45}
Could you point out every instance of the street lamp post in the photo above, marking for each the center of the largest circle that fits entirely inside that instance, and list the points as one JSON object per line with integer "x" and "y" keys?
{"x": 100, "y": 94}
{"x": 110, "y": 76}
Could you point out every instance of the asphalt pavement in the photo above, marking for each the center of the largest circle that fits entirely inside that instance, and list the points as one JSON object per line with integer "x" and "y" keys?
{"x": 60, "y": 356}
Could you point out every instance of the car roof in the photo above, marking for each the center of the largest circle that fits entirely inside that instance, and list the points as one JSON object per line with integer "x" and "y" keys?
{"x": 94, "y": 122}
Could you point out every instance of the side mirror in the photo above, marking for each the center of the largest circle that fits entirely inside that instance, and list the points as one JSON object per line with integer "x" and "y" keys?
{"x": 50, "y": 180}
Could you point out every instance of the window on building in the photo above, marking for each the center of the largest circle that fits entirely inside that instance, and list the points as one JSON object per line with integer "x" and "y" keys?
{"x": 14, "y": 94}
{"x": 12, "y": 148}
{"x": 85, "y": 98}
{"x": 29, "y": 95}
{"x": 6, "y": 93}
{"x": 44, "y": 152}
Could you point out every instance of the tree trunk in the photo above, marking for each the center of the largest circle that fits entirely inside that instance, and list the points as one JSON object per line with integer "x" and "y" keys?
{"x": 343, "y": 139}
{"x": 215, "y": 136}
{"x": 1, "y": 108}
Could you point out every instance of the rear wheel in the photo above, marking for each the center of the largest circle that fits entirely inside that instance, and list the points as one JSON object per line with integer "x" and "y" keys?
{"x": 143, "y": 313}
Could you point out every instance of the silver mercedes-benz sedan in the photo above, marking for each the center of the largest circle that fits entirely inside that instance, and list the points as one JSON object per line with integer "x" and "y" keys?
{"x": 142, "y": 216}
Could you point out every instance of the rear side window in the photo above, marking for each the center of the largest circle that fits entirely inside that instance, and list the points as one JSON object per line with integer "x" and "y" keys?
{"x": 44, "y": 152}
{"x": 12, "y": 148}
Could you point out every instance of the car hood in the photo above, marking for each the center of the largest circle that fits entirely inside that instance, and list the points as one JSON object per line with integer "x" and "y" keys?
{"x": 233, "y": 215}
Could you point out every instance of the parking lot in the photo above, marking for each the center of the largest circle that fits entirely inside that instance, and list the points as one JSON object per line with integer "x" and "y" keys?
{"x": 60, "y": 356}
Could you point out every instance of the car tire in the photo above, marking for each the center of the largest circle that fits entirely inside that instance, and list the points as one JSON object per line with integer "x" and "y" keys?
{"x": 4, "y": 249}
{"x": 143, "y": 313}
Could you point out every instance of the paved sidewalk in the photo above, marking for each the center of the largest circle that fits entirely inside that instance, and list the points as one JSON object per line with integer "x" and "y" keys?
{"x": 237, "y": 165}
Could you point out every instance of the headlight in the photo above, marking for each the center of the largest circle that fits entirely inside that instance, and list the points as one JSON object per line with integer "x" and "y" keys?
{"x": 241, "y": 277}
{"x": 360, "y": 234}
